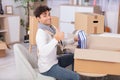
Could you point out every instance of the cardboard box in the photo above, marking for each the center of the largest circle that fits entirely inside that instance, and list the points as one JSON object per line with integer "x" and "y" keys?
{"x": 33, "y": 29}
{"x": 97, "y": 61}
{"x": 55, "y": 21}
{"x": 3, "y": 48}
{"x": 89, "y": 22}
{"x": 101, "y": 57}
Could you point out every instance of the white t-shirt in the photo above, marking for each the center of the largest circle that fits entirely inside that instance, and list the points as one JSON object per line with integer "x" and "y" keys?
{"x": 46, "y": 45}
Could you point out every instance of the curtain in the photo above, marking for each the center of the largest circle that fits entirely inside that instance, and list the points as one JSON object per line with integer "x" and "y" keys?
{"x": 112, "y": 15}
{"x": 104, "y": 4}
{"x": 111, "y": 10}
{"x": 113, "y": 5}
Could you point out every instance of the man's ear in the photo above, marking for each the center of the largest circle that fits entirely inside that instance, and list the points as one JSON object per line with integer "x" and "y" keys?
{"x": 38, "y": 18}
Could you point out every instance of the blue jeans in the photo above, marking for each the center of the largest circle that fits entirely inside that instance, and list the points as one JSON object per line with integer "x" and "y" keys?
{"x": 61, "y": 73}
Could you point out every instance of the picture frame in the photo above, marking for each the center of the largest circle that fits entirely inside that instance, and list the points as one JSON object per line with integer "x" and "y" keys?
{"x": 9, "y": 9}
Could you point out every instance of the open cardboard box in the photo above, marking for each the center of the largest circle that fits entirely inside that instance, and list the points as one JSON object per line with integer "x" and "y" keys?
{"x": 3, "y": 48}
{"x": 105, "y": 41}
{"x": 101, "y": 57}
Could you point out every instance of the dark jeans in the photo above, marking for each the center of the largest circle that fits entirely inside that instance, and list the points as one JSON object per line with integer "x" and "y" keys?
{"x": 66, "y": 59}
{"x": 61, "y": 73}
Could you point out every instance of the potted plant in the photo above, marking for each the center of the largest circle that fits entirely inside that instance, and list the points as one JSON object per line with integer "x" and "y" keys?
{"x": 26, "y": 4}
{"x": 1, "y": 9}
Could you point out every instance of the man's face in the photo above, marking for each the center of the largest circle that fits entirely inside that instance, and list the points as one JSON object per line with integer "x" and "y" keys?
{"x": 45, "y": 18}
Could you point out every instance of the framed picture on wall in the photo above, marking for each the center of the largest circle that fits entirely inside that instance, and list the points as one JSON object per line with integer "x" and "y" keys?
{"x": 9, "y": 9}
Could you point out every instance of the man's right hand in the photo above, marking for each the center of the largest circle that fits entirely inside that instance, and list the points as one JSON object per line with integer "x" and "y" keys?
{"x": 59, "y": 35}
{"x": 76, "y": 38}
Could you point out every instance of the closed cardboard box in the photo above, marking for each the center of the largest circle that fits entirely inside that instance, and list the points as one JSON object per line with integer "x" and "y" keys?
{"x": 3, "y": 48}
{"x": 91, "y": 23}
{"x": 34, "y": 26}
{"x": 97, "y": 61}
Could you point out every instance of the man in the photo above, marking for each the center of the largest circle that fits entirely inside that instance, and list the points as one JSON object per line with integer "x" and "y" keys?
{"x": 47, "y": 38}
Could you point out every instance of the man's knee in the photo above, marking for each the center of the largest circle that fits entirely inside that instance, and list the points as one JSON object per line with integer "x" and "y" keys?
{"x": 65, "y": 60}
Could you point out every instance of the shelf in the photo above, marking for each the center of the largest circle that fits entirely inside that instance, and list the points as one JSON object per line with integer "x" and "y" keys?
{"x": 3, "y": 16}
{"x": 3, "y": 31}
{"x": 10, "y": 28}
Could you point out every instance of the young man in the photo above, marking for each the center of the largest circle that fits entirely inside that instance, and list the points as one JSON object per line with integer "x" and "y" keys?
{"x": 47, "y": 38}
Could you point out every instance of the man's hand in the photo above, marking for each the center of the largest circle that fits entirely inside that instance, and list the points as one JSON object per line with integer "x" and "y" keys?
{"x": 59, "y": 35}
{"x": 76, "y": 38}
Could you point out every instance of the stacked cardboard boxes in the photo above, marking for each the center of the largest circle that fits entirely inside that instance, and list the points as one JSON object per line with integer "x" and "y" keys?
{"x": 89, "y": 22}
{"x": 102, "y": 56}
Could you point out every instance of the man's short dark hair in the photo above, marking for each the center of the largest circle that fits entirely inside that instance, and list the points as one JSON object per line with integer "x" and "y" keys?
{"x": 39, "y": 10}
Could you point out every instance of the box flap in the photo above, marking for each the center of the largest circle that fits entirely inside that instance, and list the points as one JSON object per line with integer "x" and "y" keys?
{"x": 103, "y": 42}
{"x": 97, "y": 55}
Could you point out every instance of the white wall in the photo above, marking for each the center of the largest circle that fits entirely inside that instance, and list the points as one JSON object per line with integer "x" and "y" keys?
{"x": 54, "y": 4}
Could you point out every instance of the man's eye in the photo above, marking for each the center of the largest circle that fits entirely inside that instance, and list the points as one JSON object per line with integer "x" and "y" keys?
{"x": 49, "y": 14}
